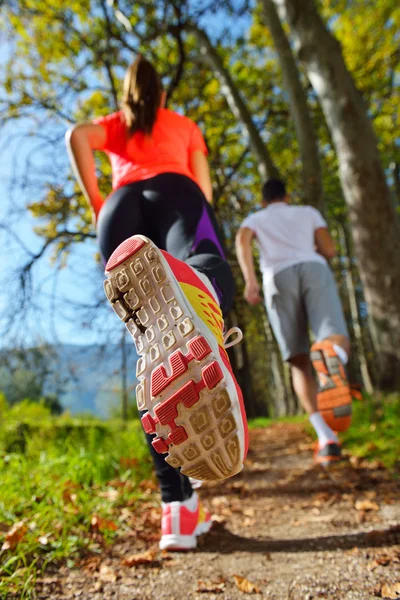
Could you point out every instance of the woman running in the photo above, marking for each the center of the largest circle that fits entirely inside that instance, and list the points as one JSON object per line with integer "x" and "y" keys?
{"x": 169, "y": 281}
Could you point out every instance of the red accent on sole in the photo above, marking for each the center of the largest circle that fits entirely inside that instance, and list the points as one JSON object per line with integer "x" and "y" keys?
{"x": 159, "y": 445}
{"x": 212, "y": 374}
{"x": 198, "y": 349}
{"x": 125, "y": 250}
{"x": 167, "y": 411}
{"x": 177, "y": 436}
{"x": 159, "y": 378}
{"x": 225, "y": 360}
{"x": 149, "y": 424}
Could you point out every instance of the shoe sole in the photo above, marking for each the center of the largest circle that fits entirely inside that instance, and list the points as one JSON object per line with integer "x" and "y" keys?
{"x": 334, "y": 402}
{"x": 194, "y": 411}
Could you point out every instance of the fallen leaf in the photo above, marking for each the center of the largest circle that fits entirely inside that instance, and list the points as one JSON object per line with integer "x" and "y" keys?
{"x": 14, "y": 535}
{"x": 366, "y": 505}
{"x": 391, "y": 591}
{"x": 69, "y": 495}
{"x": 99, "y": 524}
{"x": 245, "y": 585}
{"x": 111, "y": 494}
{"x": 140, "y": 559}
{"x": 128, "y": 462}
{"x": 148, "y": 485}
{"x": 107, "y": 574}
{"x": 215, "y": 587}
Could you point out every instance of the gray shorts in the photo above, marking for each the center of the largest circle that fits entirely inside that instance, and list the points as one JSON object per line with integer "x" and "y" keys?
{"x": 300, "y": 296}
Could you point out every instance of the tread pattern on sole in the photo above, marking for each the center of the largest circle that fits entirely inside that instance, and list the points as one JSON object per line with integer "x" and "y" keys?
{"x": 334, "y": 398}
{"x": 181, "y": 383}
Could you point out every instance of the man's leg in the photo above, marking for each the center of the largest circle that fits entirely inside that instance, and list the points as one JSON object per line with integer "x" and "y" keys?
{"x": 330, "y": 352}
{"x": 285, "y": 307}
{"x": 306, "y": 388}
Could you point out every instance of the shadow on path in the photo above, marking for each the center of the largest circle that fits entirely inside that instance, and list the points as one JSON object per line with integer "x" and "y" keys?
{"x": 222, "y": 540}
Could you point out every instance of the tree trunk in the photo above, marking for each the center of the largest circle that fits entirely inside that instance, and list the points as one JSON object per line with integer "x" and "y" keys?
{"x": 209, "y": 54}
{"x": 239, "y": 358}
{"x": 311, "y": 167}
{"x": 375, "y": 225}
{"x": 354, "y": 309}
{"x": 279, "y": 391}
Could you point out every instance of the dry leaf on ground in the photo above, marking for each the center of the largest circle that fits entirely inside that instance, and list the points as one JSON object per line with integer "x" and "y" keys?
{"x": 366, "y": 505}
{"x": 215, "y": 587}
{"x": 107, "y": 574}
{"x": 245, "y": 585}
{"x": 391, "y": 591}
{"x": 14, "y": 535}
{"x": 143, "y": 558}
{"x": 99, "y": 524}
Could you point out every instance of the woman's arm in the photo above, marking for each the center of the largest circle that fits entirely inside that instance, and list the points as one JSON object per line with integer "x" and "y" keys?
{"x": 199, "y": 166}
{"x": 81, "y": 140}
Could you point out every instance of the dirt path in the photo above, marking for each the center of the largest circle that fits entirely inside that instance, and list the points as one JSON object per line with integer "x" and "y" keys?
{"x": 291, "y": 529}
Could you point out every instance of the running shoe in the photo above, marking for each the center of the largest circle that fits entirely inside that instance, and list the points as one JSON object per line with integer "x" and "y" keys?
{"x": 186, "y": 384}
{"x": 327, "y": 454}
{"x": 182, "y": 523}
{"x": 334, "y": 394}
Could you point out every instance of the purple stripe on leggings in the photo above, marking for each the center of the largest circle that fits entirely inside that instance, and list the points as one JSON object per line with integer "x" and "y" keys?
{"x": 206, "y": 231}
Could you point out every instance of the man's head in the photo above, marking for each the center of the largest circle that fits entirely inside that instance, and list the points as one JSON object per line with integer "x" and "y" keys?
{"x": 274, "y": 190}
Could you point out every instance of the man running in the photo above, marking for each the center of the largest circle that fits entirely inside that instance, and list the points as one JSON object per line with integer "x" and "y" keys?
{"x": 300, "y": 291}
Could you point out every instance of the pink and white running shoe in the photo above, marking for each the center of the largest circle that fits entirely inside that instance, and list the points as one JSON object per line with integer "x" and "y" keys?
{"x": 182, "y": 523}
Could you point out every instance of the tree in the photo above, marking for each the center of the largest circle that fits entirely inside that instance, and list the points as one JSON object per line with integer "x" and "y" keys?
{"x": 31, "y": 374}
{"x": 312, "y": 188}
{"x": 371, "y": 209}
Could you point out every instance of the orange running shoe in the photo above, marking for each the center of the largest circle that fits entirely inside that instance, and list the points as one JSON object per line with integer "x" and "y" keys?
{"x": 182, "y": 523}
{"x": 186, "y": 384}
{"x": 327, "y": 454}
{"x": 334, "y": 396}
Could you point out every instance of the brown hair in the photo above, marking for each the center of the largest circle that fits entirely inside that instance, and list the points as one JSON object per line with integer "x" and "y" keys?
{"x": 142, "y": 96}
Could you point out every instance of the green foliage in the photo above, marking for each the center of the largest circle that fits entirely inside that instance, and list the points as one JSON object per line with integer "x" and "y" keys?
{"x": 64, "y": 473}
{"x": 75, "y": 74}
{"x": 374, "y": 433}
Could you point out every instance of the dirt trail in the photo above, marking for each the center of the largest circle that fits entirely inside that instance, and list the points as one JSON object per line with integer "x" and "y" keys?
{"x": 291, "y": 529}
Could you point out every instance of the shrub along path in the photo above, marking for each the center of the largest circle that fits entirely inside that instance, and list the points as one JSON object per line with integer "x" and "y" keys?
{"x": 285, "y": 529}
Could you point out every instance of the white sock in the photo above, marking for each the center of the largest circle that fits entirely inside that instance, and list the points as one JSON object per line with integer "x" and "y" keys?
{"x": 342, "y": 354}
{"x": 208, "y": 284}
{"x": 324, "y": 432}
{"x": 190, "y": 503}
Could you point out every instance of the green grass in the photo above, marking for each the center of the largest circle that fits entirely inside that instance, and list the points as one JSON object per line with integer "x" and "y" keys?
{"x": 57, "y": 473}
{"x": 375, "y": 430}
{"x": 267, "y": 422}
{"x": 64, "y": 473}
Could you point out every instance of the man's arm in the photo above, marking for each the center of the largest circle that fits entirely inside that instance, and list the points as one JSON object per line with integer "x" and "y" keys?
{"x": 81, "y": 140}
{"x": 245, "y": 257}
{"x": 324, "y": 243}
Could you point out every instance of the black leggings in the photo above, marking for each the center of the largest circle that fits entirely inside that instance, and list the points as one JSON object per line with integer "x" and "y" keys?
{"x": 172, "y": 211}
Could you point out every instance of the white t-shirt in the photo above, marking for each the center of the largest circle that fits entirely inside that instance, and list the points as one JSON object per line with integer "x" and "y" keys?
{"x": 285, "y": 235}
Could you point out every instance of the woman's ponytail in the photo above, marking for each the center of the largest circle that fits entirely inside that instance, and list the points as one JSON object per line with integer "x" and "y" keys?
{"x": 142, "y": 96}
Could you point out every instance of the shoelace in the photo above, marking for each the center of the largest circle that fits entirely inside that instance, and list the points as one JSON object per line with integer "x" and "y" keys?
{"x": 237, "y": 339}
